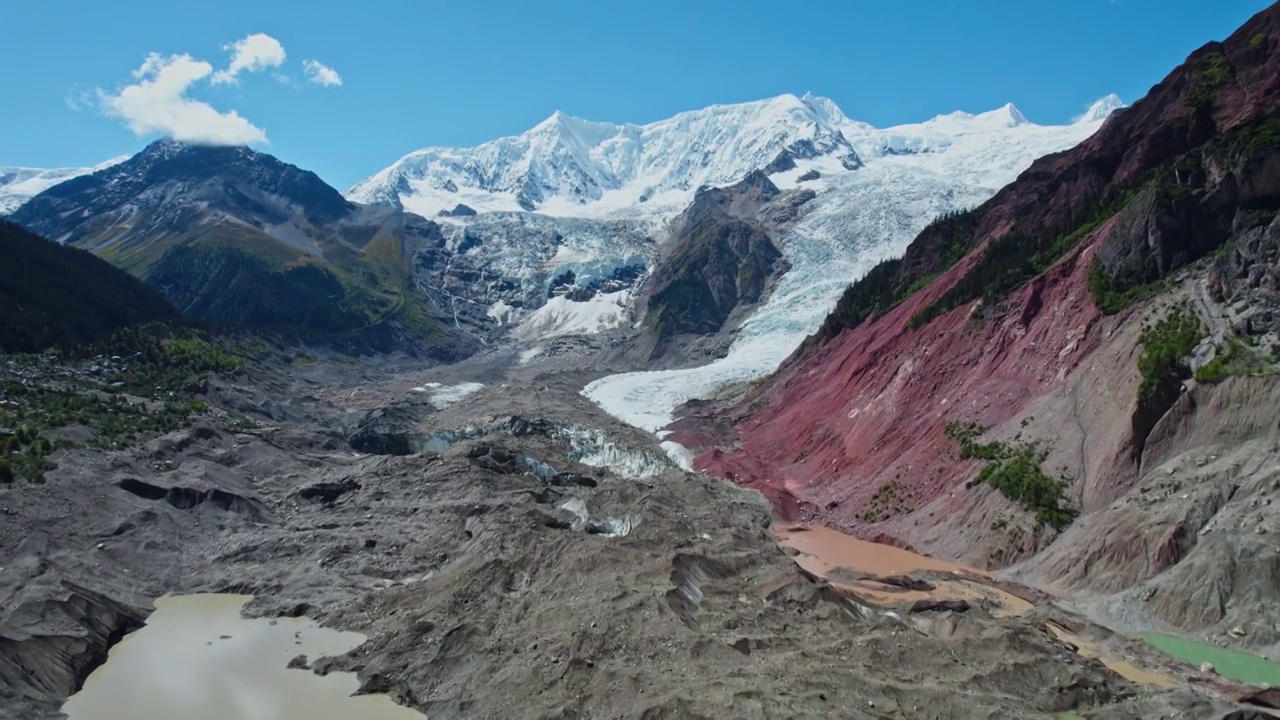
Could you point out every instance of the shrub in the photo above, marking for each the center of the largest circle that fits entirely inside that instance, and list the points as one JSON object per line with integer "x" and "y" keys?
{"x": 1165, "y": 347}
{"x": 1015, "y": 469}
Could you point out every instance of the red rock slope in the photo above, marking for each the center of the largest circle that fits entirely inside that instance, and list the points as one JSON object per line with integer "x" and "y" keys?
{"x": 850, "y": 432}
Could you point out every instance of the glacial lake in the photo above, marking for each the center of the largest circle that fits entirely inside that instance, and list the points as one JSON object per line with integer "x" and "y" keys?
{"x": 197, "y": 658}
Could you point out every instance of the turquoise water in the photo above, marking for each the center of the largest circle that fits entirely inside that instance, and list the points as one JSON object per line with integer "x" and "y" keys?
{"x": 1228, "y": 663}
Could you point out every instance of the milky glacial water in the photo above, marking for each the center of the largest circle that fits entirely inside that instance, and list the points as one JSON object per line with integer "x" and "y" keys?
{"x": 198, "y": 659}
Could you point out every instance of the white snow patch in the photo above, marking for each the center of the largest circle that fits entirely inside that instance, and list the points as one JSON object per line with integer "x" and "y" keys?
{"x": 502, "y": 313}
{"x": 562, "y": 316}
{"x": 574, "y": 168}
{"x": 680, "y": 454}
{"x": 527, "y": 355}
{"x": 442, "y": 396}
{"x": 18, "y": 184}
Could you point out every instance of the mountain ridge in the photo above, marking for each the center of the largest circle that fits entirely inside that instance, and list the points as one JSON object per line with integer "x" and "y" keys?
{"x": 52, "y": 295}
{"x": 237, "y": 237}
{"x": 20, "y": 184}
{"x": 570, "y": 166}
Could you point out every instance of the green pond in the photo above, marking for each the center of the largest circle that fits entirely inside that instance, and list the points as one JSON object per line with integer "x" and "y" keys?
{"x": 1228, "y": 663}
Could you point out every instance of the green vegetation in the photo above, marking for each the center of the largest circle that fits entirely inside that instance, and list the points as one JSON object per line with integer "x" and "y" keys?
{"x": 1231, "y": 358}
{"x": 137, "y": 386}
{"x": 1228, "y": 663}
{"x": 1165, "y": 347}
{"x": 1258, "y": 41}
{"x": 967, "y": 435}
{"x": 1206, "y": 79}
{"x": 939, "y": 246}
{"x": 223, "y": 284}
{"x": 888, "y": 501}
{"x": 1261, "y": 135}
{"x": 1015, "y": 469}
{"x": 1107, "y": 295}
{"x": 723, "y": 263}
{"x": 57, "y": 296}
{"x": 1016, "y": 257}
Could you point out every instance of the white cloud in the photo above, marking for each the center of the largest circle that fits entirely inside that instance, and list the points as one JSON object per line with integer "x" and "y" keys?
{"x": 251, "y": 53}
{"x": 321, "y": 74}
{"x": 157, "y": 103}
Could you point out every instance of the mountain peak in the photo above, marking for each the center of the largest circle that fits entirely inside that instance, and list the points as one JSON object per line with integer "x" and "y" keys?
{"x": 1005, "y": 116}
{"x": 565, "y": 163}
{"x": 1013, "y": 114}
{"x": 1102, "y": 108}
{"x": 199, "y": 175}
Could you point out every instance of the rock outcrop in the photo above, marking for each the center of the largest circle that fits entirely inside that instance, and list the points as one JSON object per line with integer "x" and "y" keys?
{"x": 720, "y": 262}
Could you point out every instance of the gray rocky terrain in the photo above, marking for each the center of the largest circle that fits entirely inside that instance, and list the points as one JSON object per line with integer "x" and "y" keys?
{"x": 516, "y": 554}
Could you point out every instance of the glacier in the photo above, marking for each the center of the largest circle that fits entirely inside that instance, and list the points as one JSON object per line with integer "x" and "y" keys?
{"x": 20, "y": 184}
{"x": 912, "y": 174}
{"x": 876, "y": 189}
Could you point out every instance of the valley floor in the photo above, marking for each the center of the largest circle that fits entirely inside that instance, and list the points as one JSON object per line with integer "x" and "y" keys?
{"x": 529, "y": 557}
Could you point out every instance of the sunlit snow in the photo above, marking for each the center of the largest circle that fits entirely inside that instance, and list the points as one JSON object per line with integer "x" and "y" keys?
{"x": 442, "y": 396}
{"x": 858, "y": 219}
{"x": 18, "y": 185}
{"x": 603, "y": 190}
{"x": 562, "y": 316}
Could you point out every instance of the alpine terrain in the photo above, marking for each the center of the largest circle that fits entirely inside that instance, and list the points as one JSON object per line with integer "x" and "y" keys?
{"x": 758, "y": 411}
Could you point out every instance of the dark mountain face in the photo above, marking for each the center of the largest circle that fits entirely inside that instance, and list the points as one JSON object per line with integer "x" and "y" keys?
{"x": 51, "y": 295}
{"x": 236, "y": 237}
{"x": 178, "y": 182}
{"x": 722, "y": 261}
{"x": 194, "y": 165}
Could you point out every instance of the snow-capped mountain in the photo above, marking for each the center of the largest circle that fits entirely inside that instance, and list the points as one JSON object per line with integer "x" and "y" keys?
{"x": 19, "y": 184}
{"x": 568, "y": 166}
{"x": 572, "y": 167}
{"x": 912, "y": 174}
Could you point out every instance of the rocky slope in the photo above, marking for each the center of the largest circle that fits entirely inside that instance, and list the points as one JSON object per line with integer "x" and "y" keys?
{"x": 1039, "y": 317}
{"x": 501, "y": 572}
{"x": 720, "y": 259}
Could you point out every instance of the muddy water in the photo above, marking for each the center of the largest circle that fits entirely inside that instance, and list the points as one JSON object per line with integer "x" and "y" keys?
{"x": 198, "y": 659}
{"x": 1123, "y": 668}
{"x": 841, "y": 558}
{"x": 833, "y": 555}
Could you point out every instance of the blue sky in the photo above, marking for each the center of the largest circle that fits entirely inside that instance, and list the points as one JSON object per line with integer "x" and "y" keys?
{"x": 419, "y": 73}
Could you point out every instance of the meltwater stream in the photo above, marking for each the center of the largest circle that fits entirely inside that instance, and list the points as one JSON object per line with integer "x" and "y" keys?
{"x": 198, "y": 659}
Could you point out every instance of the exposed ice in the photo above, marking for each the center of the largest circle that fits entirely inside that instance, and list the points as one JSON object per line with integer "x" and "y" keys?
{"x": 858, "y": 219}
